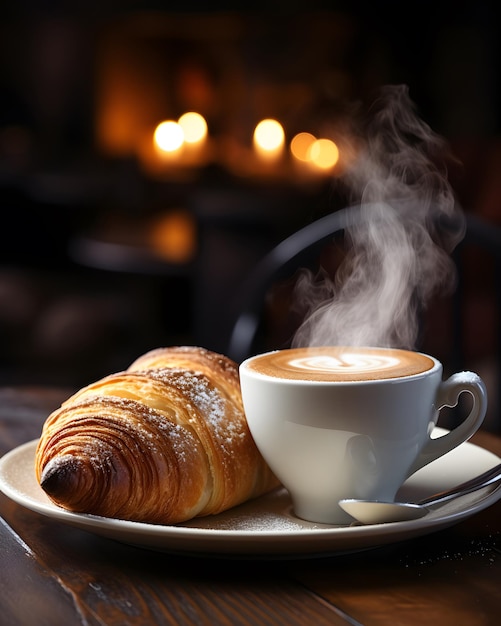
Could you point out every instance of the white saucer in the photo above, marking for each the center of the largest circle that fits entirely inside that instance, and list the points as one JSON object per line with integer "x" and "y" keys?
{"x": 266, "y": 527}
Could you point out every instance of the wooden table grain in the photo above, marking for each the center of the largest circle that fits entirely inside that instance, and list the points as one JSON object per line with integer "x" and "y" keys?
{"x": 52, "y": 574}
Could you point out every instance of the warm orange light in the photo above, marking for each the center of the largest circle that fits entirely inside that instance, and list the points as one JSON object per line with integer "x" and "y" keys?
{"x": 300, "y": 146}
{"x": 173, "y": 236}
{"x": 194, "y": 127}
{"x": 168, "y": 136}
{"x": 323, "y": 153}
{"x": 269, "y": 136}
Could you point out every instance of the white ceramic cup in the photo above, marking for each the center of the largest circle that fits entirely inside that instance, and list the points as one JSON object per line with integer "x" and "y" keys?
{"x": 336, "y": 423}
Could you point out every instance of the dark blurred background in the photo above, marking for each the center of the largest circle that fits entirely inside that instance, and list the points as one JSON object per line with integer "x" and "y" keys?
{"x": 106, "y": 250}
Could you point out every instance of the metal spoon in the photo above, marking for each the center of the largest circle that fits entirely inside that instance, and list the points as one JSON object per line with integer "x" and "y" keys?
{"x": 377, "y": 512}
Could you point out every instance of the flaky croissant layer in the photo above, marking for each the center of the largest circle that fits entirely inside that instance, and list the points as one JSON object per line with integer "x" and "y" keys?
{"x": 163, "y": 442}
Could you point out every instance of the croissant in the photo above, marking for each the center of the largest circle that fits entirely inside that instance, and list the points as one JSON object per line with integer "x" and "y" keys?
{"x": 162, "y": 442}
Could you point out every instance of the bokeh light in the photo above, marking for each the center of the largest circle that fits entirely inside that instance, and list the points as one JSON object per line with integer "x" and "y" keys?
{"x": 324, "y": 153}
{"x": 168, "y": 136}
{"x": 300, "y": 146}
{"x": 194, "y": 127}
{"x": 269, "y": 135}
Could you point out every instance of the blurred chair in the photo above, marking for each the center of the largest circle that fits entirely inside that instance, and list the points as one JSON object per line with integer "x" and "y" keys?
{"x": 472, "y": 312}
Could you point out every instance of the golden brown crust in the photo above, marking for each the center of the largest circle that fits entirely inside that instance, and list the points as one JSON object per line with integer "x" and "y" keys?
{"x": 161, "y": 445}
{"x": 194, "y": 359}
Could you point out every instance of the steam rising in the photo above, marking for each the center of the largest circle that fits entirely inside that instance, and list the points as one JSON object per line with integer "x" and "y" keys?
{"x": 399, "y": 248}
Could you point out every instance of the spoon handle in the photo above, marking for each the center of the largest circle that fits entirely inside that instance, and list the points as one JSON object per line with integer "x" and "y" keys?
{"x": 489, "y": 477}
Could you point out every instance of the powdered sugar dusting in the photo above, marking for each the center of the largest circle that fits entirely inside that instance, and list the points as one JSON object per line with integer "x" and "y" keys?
{"x": 207, "y": 400}
{"x": 63, "y": 460}
{"x": 467, "y": 378}
{"x": 264, "y": 522}
{"x": 144, "y": 432}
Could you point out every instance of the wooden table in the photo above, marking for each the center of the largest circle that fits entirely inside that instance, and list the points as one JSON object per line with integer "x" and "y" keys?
{"x": 53, "y": 574}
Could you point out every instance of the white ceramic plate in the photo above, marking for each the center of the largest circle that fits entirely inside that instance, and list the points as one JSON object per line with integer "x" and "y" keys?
{"x": 266, "y": 527}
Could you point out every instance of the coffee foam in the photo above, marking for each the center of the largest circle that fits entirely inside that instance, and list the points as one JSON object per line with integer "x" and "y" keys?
{"x": 341, "y": 363}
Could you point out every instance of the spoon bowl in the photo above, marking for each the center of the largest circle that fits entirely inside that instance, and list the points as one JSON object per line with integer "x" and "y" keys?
{"x": 379, "y": 512}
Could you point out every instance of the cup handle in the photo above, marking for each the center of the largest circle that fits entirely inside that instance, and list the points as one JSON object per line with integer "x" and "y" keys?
{"x": 448, "y": 395}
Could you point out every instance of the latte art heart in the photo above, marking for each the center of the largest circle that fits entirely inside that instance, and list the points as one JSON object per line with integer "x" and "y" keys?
{"x": 347, "y": 362}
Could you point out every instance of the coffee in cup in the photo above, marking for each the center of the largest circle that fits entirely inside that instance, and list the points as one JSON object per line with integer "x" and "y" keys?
{"x": 340, "y": 364}
{"x": 351, "y": 422}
